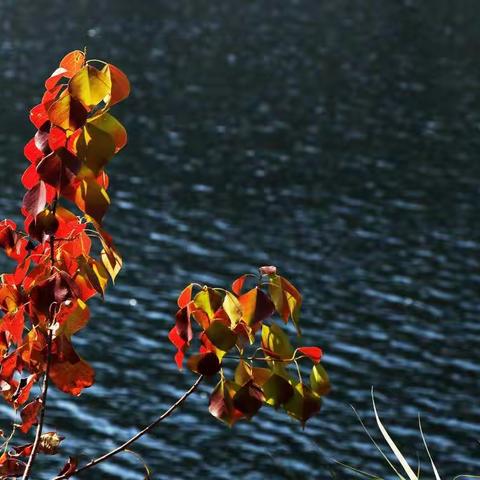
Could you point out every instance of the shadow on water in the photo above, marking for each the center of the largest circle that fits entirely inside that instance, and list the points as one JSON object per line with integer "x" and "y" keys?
{"x": 335, "y": 139}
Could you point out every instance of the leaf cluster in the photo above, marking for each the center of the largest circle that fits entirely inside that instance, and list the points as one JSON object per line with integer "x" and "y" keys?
{"x": 231, "y": 325}
{"x": 44, "y": 299}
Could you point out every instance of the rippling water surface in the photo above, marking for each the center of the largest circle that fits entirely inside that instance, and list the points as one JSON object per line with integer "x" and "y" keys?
{"x": 338, "y": 140}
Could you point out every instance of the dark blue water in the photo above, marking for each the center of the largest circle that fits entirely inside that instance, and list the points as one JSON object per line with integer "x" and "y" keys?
{"x": 338, "y": 140}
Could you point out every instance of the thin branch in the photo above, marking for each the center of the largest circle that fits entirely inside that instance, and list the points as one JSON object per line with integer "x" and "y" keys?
{"x": 133, "y": 439}
{"x": 43, "y": 397}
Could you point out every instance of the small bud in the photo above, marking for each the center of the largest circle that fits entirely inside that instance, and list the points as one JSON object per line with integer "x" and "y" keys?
{"x": 268, "y": 270}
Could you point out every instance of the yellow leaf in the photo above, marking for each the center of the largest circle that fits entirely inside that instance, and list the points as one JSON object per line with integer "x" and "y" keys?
{"x": 319, "y": 381}
{"x": 95, "y": 148}
{"x": 92, "y": 199}
{"x": 72, "y": 319}
{"x": 90, "y": 85}
{"x": 109, "y": 124}
{"x": 276, "y": 342}
{"x": 232, "y": 308}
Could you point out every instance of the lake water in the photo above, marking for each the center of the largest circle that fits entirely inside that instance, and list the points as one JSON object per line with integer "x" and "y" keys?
{"x": 338, "y": 140}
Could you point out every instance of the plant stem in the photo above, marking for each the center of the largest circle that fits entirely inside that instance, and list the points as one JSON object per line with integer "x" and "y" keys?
{"x": 43, "y": 397}
{"x": 133, "y": 439}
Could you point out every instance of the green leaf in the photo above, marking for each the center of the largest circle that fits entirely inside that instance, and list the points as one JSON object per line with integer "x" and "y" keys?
{"x": 319, "y": 380}
{"x": 277, "y": 390}
{"x": 232, "y": 308}
{"x": 221, "y": 336}
{"x": 303, "y": 404}
{"x": 275, "y": 342}
{"x": 243, "y": 373}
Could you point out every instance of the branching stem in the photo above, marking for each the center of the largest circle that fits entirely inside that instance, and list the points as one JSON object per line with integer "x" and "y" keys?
{"x": 133, "y": 439}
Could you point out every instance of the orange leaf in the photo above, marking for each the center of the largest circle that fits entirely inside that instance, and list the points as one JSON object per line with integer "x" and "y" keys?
{"x": 68, "y": 371}
{"x": 67, "y": 112}
{"x": 256, "y": 307}
{"x": 72, "y": 62}
{"x": 120, "y": 84}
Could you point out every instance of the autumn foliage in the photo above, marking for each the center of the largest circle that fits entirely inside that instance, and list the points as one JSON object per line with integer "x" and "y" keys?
{"x": 232, "y": 321}
{"x": 44, "y": 299}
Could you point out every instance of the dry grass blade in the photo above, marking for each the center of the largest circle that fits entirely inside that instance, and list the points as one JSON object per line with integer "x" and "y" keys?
{"x": 434, "y": 468}
{"x": 392, "y": 466}
{"x": 410, "y": 473}
{"x": 357, "y": 470}
{"x": 148, "y": 473}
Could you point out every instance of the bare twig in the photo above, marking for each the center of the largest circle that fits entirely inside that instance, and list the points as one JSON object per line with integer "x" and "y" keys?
{"x": 38, "y": 434}
{"x": 133, "y": 439}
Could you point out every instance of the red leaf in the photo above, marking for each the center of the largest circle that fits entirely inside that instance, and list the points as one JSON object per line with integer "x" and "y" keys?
{"x": 30, "y": 177}
{"x": 184, "y": 325}
{"x": 23, "y": 390}
{"x": 180, "y": 344}
{"x": 69, "y": 467}
{"x": 11, "y": 466}
{"x": 185, "y": 297}
{"x": 51, "y": 82}
{"x": 237, "y": 285}
{"x": 41, "y": 138}
{"x": 35, "y": 199}
{"x": 9, "y": 365}
{"x": 204, "y": 364}
{"x": 43, "y": 224}
{"x": 29, "y": 415}
{"x": 31, "y": 151}
{"x": 24, "y": 450}
{"x": 59, "y": 168}
{"x": 221, "y": 403}
{"x": 38, "y": 115}
{"x": 13, "y": 323}
{"x": 249, "y": 399}
{"x": 8, "y": 237}
{"x": 313, "y": 353}
{"x": 50, "y": 293}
